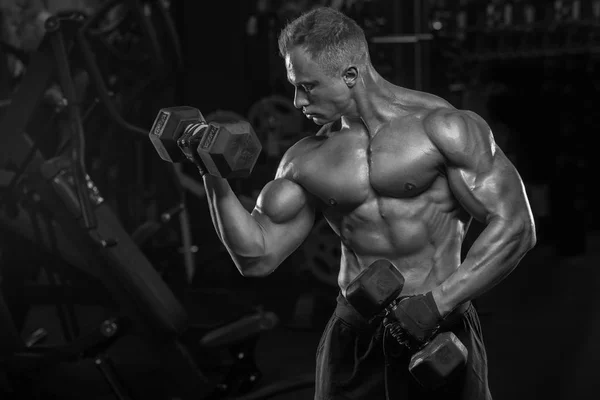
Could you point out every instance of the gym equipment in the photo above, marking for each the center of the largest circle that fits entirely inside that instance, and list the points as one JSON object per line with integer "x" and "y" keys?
{"x": 190, "y": 183}
{"x": 150, "y": 228}
{"x": 374, "y": 291}
{"x": 45, "y": 203}
{"x": 222, "y": 150}
{"x": 111, "y": 76}
{"x": 501, "y": 30}
{"x": 277, "y": 122}
{"x": 137, "y": 39}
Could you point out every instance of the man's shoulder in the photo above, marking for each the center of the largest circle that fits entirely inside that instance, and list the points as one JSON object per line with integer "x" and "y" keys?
{"x": 459, "y": 133}
{"x": 293, "y": 158}
{"x": 440, "y": 122}
{"x": 310, "y": 142}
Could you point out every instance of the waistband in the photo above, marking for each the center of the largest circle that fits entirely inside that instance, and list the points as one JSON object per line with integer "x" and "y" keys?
{"x": 349, "y": 315}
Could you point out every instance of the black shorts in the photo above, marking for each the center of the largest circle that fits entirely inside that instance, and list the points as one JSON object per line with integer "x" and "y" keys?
{"x": 357, "y": 360}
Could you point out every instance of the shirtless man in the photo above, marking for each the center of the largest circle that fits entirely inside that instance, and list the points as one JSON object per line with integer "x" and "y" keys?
{"x": 399, "y": 175}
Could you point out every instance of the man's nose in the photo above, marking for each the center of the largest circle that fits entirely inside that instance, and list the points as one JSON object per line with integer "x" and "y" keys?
{"x": 300, "y": 99}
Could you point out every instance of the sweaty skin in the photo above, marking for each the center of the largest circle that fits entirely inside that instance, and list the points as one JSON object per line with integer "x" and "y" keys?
{"x": 398, "y": 174}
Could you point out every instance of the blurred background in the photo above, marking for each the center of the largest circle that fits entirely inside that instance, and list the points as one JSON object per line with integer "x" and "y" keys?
{"x": 113, "y": 283}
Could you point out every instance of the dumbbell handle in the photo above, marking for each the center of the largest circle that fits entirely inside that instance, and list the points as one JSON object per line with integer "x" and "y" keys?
{"x": 193, "y": 136}
{"x": 192, "y": 133}
{"x": 397, "y": 331}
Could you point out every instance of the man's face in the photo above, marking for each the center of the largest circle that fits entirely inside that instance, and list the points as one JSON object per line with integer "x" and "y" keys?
{"x": 322, "y": 97}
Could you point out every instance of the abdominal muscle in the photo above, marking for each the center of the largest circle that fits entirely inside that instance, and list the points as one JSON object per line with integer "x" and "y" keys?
{"x": 421, "y": 239}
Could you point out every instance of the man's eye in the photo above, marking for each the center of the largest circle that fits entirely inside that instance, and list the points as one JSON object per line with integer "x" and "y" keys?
{"x": 307, "y": 88}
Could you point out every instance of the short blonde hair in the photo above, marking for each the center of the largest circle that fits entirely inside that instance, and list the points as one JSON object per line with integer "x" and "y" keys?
{"x": 331, "y": 38}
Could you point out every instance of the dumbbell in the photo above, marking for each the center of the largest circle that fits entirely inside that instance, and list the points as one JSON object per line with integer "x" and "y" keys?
{"x": 375, "y": 291}
{"x": 227, "y": 150}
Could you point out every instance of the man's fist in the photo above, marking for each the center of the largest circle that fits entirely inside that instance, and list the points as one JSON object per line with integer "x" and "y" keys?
{"x": 418, "y": 316}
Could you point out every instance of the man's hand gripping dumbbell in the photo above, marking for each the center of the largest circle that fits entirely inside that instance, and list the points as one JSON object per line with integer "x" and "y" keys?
{"x": 413, "y": 320}
{"x": 222, "y": 150}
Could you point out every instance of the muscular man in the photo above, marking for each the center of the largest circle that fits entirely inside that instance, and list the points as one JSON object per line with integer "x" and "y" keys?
{"x": 399, "y": 175}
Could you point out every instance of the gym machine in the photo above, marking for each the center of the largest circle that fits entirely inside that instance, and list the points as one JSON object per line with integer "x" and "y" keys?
{"x": 82, "y": 230}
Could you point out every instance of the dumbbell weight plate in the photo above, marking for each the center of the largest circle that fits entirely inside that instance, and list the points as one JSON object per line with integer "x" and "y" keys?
{"x": 439, "y": 362}
{"x": 229, "y": 150}
{"x": 161, "y": 134}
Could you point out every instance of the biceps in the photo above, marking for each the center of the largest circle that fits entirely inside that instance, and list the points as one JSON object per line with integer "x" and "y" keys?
{"x": 285, "y": 217}
{"x": 496, "y": 192}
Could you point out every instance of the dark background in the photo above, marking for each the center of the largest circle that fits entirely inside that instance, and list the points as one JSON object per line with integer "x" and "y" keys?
{"x": 527, "y": 67}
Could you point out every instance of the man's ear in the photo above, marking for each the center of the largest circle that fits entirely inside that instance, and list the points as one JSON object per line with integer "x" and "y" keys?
{"x": 351, "y": 76}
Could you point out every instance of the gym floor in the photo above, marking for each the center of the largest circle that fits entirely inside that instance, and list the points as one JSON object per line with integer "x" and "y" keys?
{"x": 540, "y": 328}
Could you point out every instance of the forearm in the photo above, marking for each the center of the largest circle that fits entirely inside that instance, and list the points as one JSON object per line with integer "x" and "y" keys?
{"x": 493, "y": 256}
{"x": 236, "y": 228}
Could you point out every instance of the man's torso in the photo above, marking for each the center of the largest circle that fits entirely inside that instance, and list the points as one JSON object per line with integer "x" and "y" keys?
{"x": 386, "y": 196}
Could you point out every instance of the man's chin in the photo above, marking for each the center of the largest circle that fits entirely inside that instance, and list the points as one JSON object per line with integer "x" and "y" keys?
{"x": 319, "y": 119}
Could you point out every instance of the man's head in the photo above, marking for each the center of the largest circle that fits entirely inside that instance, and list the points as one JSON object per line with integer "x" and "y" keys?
{"x": 324, "y": 51}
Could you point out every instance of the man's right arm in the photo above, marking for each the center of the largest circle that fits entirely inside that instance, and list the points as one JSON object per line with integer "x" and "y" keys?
{"x": 259, "y": 241}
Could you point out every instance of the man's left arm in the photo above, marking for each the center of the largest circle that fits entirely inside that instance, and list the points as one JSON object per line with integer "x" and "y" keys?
{"x": 489, "y": 187}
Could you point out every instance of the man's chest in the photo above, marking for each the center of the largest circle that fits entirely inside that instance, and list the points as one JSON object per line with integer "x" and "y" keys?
{"x": 348, "y": 168}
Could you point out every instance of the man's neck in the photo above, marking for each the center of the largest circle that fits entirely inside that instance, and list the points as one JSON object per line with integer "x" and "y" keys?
{"x": 375, "y": 100}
